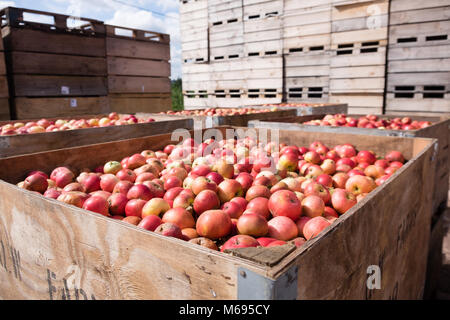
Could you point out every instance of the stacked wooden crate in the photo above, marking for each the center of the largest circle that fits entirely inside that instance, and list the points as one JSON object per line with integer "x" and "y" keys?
{"x": 358, "y": 61}
{"x": 419, "y": 57}
{"x": 138, "y": 70}
{"x": 244, "y": 64}
{"x": 306, "y": 46}
{"x": 4, "y": 93}
{"x": 56, "y": 67}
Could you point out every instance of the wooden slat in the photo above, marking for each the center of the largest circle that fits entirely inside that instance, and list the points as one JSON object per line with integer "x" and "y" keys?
{"x": 56, "y": 64}
{"x": 405, "y": 5}
{"x": 36, "y": 108}
{"x": 47, "y": 42}
{"x": 138, "y": 67}
{"x": 420, "y": 65}
{"x": 422, "y": 15}
{"x": 118, "y": 47}
{"x": 124, "y": 104}
{"x": 124, "y": 84}
{"x": 4, "y": 109}
{"x": 48, "y": 86}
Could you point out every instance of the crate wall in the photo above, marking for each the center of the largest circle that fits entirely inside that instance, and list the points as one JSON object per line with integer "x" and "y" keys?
{"x": 138, "y": 70}
{"x": 306, "y": 47}
{"x": 358, "y": 54}
{"x": 419, "y": 57}
{"x": 57, "y": 68}
{"x": 4, "y": 93}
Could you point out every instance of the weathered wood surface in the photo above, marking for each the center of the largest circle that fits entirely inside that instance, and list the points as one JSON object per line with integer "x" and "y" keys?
{"x": 31, "y": 143}
{"x": 326, "y": 108}
{"x": 75, "y": 249}
{"x": 4, "y": 109}
{"x": 36, "y": 108}
{"x": 124, "y": 103}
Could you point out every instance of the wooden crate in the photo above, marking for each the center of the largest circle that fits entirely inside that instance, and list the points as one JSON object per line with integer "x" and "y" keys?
{"x": 418, "y": 92}
{"x": 46, "y": 60}
{"x": 39, "y": 142}
{"x": 360, "y": 103}
{"x": 194, "y": 25}
{"x": 304, "y": 109}
{"x": 411, "y": 11}
{"x": 4, "y": 92}
{"x": 67, "y": 252}
{"x": 132, "y": 103}
{"x": 439, "y": 130}
{"x": 33, "y": 108}
{"x": 307, "y": 89}
{"x": 138, "y": 79}
{"x": 231, "y": 120}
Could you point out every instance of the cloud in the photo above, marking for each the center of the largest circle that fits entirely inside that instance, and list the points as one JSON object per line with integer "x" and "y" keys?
{"x": 4, "y": 4}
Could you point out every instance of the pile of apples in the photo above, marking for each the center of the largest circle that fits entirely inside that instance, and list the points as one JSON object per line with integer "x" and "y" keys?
{"x": 217, "y": 112}
{"x": 295, "y": 105}
{"x": 45, "y": 125}
{"x": 225, "y": 194}
{"x": 370, "y": 122}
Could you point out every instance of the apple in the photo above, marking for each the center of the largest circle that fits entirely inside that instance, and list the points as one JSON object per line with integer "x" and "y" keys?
{"x": 340, "y": 179}
{"x": 342, "y": 200}
{"x": 126, "y": 174}
{"x": 97, "y": 204}
{"x": 313, "y": 206}
{"x": 328, "y": 166}
{"x": 293, "y": 184}
{"x": 282, "y": 228}
{"x": 201, "y": 170}
{"x": 184, "y": 200}
{"x": 312, "y": 157}
{"x": 179, "y": 216}
{"x": 134, "y": 220}
{"x": 366, "y": 157}
{"x": 298, "y": 241}
{"x": 134, "y": 207}
{"x": 315, "y": 226}
{"x": 256, "y": 192}
{"x": 204, "y": 242}
{"x": 288, "y": 161}
{"x": 108, "y": 182}
{"x": 189, "y": 233}
{"x": 265, "y": 241}
{"x": 206, "y": 200}
{"x": 169, "y": 230}
{"x": 117, "y": 203}
{"x": 100, "y": 193}
{"x": 139, "y": 191}
{"x": 360, "y": 184}
{"x": 202, "y": 183}
{"x": 214, "y": 224}
{"x": 62, "y": 176}
{"x": 241, "y": 201}
{"x": 329, "y": 212}
{"x": 155, "y": 207}
{"x": 135, "y": 161}
{"x": 145, "y": 176}
{"x": 75, "y": 198}
{"x": 156, "y": 187}
{"x": 52, "y": 193}
{"x": 172, "y": 182}
{"x": 36, "y": 182}
{"x": 233, "y": 209}
{"x": 395, "y": 156}
{"x": 245, "y": 179}
{"x": 259, "y": 205}
{"x": 285, "y": 203}
{"x": 300, "y": 223}
{"x": 112, "y": 167}
{"x": 123, "y": 187}
{"x": 239, "y": 241}
{"x": 229, "y": 189}
{"x": 276, "y": 243}
{"x": 325, "y": 179}
{"x": 382, "y": 163}
{"x": 214, "y": 176}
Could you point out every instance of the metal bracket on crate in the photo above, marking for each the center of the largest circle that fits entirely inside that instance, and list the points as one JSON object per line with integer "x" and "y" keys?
{"x": 253, "y": 286}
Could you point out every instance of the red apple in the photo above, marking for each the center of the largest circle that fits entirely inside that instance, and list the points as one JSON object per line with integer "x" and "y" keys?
{"x": 36, "y": 182}
{"x": 257, "y": 191}
{"x": 97, "y": 204}
{"x": 342, "y": 200}
{"x": 233, "y": 209}
{"x": 117, "y": 203}
{"x": 169, "y": 230}
{"x": 155, "y": 207}
{"x": 239, "y": 241}
{"x": 179, "y": 216}
{"x": 260, "y": 206}
{"x": 252, "y": 224}
{"x": 285, "y": 203}
{"x": 360, "y": 184}
{"x": 282, "y": 228}
{"x": 214, "y": 224}
{"x": 206, "y": 200}
{"x": 315, "y": 226}
{"x": 229, "y": 189}
{"x": 134, "y": 207}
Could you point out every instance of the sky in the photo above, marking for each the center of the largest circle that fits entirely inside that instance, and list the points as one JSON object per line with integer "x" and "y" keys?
{"x": 152, "y": 15}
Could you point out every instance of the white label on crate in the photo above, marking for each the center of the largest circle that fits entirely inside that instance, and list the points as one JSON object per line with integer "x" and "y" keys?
{"x": 73, "y": 103}
{"x": 65, "y": 90}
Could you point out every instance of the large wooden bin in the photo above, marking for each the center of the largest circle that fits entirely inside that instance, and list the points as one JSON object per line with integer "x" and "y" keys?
{"x": 138, "y": 70}
{"x": 56, "y": 67}
{"x": 31, "y": 143}
{"x": 304, "y": 109}
{"x": 4, "y": 93}
{"x": 231, "y": 120}
{"x": 439, "y": 130}
{"x": 50, "y": 250}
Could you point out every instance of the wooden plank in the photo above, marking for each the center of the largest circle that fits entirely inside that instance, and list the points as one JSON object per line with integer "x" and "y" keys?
{"x": 221, "y": 5}
{"x": 360, "y": 10}
{"x": 419, "y": 65}
{"x": 53, "y": 86}
{"x": 307, "y": 30}
{"x": 406, "y": 5}
{"x": 421, "y": 15}
{"x": 32, "y": 143}
{"x": 2, "y": 64}
{"x": 355, "y": 60}
{"x": 138, "y": 67}
{"x": 296, "y": 18}
{"x": 363, "y": 23}
{"x": 125, "y": 84}
{"x": 358, "y": 100}
{"x": 125, "y": 104}
{"x": 4, "y": 93}
{"x": 56, "y": 64}
{"x": 126, "y": 48}
{"x": 137, "y": 34}
{"x": 311, "y": 58}
{"x": 357, "y": 85}
{"x": 417, "y": 105}
{"x": 360, "y": 35}
{"x": 308, "y": 82}
{"x": 416, "y": 79}
{"x": 306, "y": 6}
{"x": 29, "y": 40}
{"x": 191, "y": 5}
{"x": 36, "y": 108}
{"x": 419, "y": 31}
{"x": 426, "y": 52}
{"x": 4, "y": 109}
{"x": 357, "y": 72}
{"x": 311, "y": 71}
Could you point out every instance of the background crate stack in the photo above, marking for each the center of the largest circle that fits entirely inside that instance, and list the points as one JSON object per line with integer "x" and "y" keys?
{"x": 358, "y": 62}
{"x": 55, "y": 68}
{"x": 306, "y": 42}
{"x": 4, "y": 93}
{"x": 138, "y": 70}
{"x": 244, "y": 64}
{"x": 419, "y": 57}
